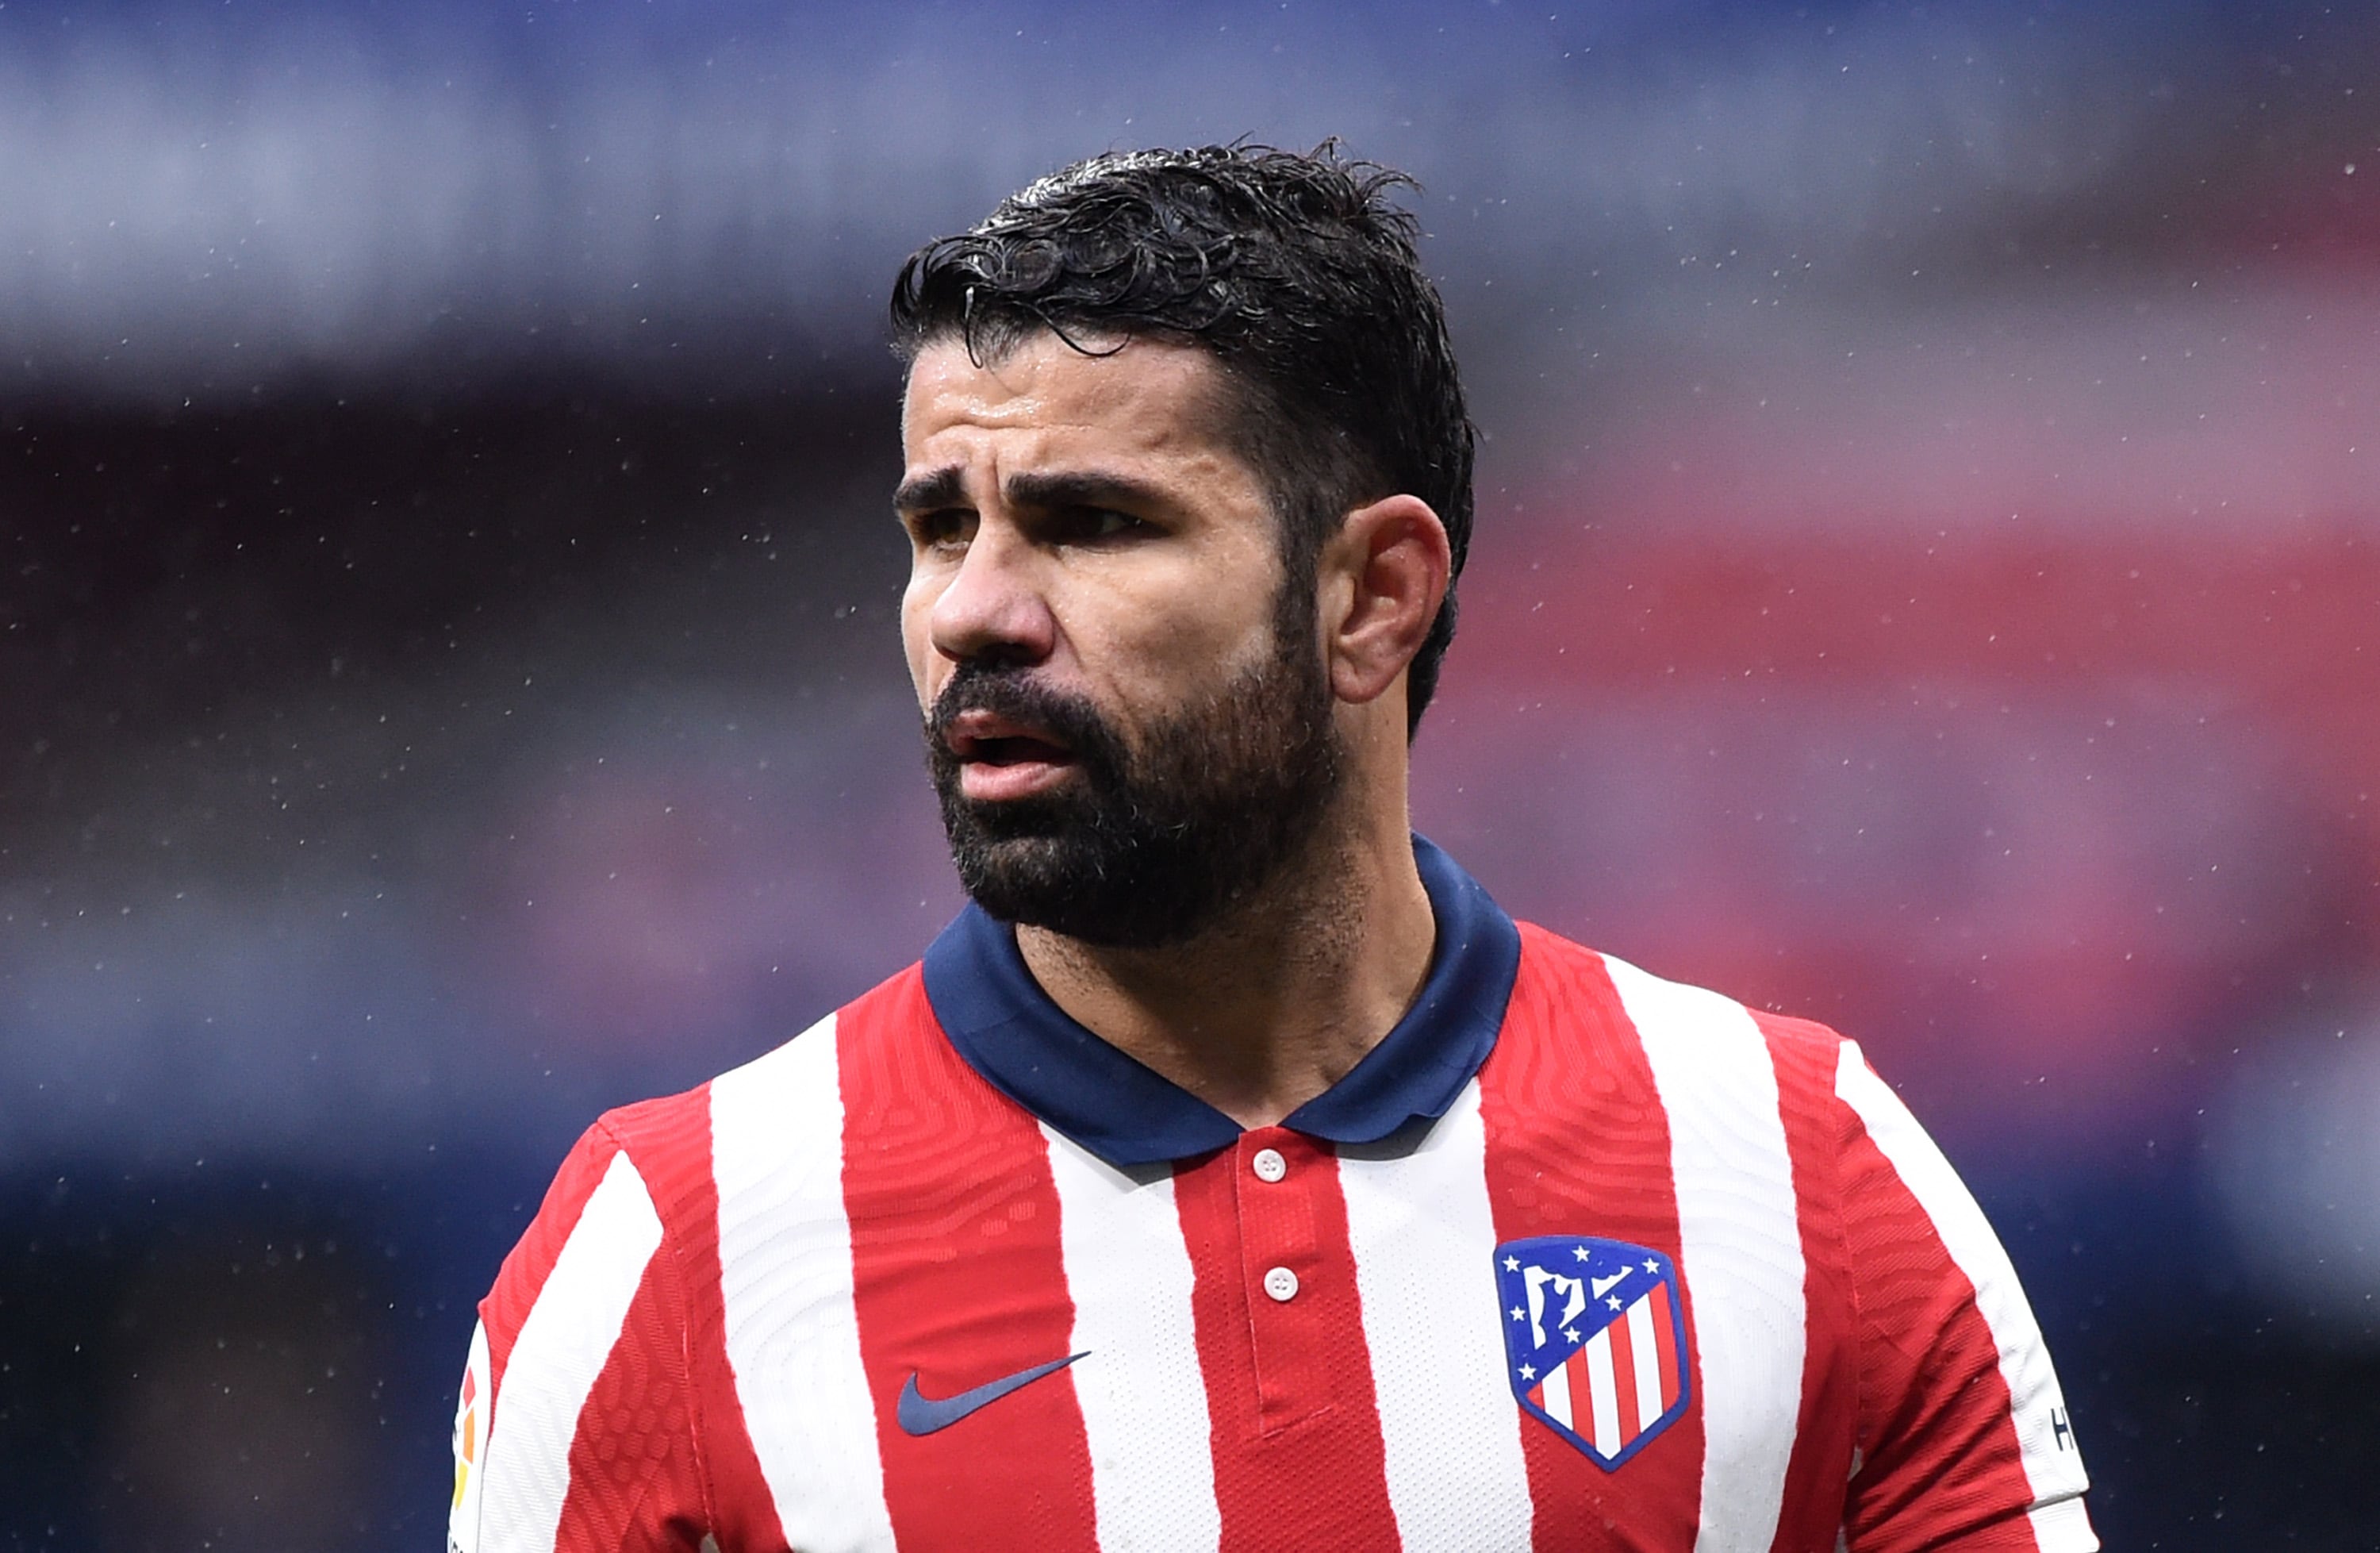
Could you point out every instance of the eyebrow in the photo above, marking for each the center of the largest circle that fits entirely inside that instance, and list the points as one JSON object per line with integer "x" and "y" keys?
{"x": 1086, "y": 488}
{"x": 947, "y": 487}
{"x": 942, "y": 487}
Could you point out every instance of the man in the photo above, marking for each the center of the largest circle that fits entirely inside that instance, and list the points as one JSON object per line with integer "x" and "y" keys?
{"x": 1232, "y": 1173}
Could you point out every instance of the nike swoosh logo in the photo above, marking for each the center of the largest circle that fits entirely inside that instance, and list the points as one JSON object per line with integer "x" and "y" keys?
{"x": 922, "y": 1414}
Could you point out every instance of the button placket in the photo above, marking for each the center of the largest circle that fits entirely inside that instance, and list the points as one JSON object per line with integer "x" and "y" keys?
{"x": 1278, "y": 1175}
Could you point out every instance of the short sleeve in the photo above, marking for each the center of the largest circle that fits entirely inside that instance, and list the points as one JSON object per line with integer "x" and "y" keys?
{"x": 573, "y": 1429}
{"x": 1964, "y": 1438}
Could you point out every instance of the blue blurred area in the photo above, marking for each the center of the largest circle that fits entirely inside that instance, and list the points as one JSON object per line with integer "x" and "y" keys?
{"x": 1926, "y": 580}
{"x": 203, "y": 201}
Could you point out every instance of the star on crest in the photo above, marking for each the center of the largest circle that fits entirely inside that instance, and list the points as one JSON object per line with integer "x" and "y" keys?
{"x": 1511, "y": 1264}
{"x": 1613, "y": 1300}
{"x": 1528, "y": 1371}
{"x": 1519, "y": 1315}
{"x": 1579, "y": 1251}
{"x": 1571, "y": 1333}
{"x": 1651, "y": 1265}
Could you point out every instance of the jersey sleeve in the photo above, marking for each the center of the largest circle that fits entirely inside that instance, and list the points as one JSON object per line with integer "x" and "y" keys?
{"x": 572, "y": 1430}
{"x": 1964, "y": 1441}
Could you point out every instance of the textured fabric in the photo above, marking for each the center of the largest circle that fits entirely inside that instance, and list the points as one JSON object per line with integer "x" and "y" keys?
{"x": 830, "y": 1300}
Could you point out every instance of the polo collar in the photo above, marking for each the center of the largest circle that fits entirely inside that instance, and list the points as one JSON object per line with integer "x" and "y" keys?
{"x": 1006, "y": 1028}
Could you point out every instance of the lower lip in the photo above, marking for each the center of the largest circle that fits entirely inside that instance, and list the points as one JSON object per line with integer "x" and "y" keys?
{"x": 998, "y": 784}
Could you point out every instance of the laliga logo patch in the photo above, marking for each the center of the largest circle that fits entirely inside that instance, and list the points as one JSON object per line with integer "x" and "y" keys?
{"x": 466, "y": 1436}
{"x": 473, "y": 1408}
{"x": 1594, "y": 1340}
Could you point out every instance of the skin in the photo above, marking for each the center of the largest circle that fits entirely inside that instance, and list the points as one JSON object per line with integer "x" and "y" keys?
{"x": 1084, "y": 517}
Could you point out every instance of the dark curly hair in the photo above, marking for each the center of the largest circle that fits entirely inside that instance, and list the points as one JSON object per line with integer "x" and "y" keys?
{"x": 1294, "y": 272}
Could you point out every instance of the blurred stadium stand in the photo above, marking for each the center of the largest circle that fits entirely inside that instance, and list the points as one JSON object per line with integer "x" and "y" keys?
{"x": 1928, "y": 578}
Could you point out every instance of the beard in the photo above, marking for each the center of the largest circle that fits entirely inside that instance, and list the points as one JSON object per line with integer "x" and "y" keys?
{"x": 1156, "y": 837}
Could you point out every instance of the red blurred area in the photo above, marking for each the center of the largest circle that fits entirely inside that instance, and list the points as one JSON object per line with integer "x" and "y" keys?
{"x": 2044, "y": 816}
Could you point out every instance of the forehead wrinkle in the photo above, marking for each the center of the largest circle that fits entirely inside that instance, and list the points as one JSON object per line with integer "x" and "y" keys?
{"x": 1017, "y": 382}
{"x": 1152, "y": 415}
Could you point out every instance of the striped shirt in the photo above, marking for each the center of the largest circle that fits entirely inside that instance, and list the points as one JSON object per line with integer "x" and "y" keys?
{"x": 1576, "y": 1258}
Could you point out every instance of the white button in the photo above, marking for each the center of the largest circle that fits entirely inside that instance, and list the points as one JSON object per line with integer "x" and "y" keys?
{"x": 1281, "y": 1284}
{"x": 1269, "y": 1164}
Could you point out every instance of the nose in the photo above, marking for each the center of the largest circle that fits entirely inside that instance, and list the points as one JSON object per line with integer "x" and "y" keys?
{"x": 994, "y": 608}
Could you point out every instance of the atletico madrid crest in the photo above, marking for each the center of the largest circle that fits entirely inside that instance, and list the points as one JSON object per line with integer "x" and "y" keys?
{"x": 1594, "y": 1340}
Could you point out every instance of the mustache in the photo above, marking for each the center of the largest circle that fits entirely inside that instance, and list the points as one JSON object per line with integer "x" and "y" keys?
{"x": 1020, "y": 696}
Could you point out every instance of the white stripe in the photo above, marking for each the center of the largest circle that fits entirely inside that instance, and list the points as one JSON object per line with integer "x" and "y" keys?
{"x": 2055, "y": 1475}
{"x": 1143, "y": 1396}
{"x": 1739, "y": 1242}
{"x": 1603, "y": 1392}
{"x": 1423, "y": 1240}
{"x": 1557, "y": 1401}
{"x": 562, "y": 1347}
{"x": 784, "y": 1263}
{"x": 1647, "y": 1361}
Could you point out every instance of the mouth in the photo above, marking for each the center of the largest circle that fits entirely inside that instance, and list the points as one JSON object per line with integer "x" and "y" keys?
{"x": 1001, "y": 758}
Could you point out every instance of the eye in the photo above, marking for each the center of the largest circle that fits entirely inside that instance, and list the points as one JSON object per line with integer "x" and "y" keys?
{"x": 941, "y": 528}
{"x": 1101, "y": 523}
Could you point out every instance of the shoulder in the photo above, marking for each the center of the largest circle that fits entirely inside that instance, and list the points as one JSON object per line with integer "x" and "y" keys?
{"x": 776, "y": 1121}
{"x": 1765, "y": 1091}
{"x": 799, "y": 1072}
{"x": 1574, "y": 987}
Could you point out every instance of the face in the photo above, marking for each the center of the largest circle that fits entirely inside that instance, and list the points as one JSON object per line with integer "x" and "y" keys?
{"x": 1128, "y": 717}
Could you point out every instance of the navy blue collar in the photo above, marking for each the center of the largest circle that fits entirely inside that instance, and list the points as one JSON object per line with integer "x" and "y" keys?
{"x": 1025, "y": 1046}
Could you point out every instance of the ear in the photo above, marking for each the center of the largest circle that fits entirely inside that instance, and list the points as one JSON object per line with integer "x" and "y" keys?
{"x": 1383, "y": 578}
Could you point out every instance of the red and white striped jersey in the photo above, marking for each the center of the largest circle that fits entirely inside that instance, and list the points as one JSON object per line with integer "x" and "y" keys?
{"x": 1576, "y": 1258}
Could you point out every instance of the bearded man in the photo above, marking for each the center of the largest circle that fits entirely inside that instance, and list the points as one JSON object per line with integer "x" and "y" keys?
{"x": 1232, "y": 1173}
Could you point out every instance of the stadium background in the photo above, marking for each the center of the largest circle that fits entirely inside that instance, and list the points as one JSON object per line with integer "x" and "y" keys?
{"x": 1928, "y": 579}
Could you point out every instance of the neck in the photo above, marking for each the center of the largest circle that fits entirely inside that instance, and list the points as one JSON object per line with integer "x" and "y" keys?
{"x": 1263, "y": 1011}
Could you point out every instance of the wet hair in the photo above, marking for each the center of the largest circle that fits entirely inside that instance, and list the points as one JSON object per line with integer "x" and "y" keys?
{"x": 1294, "y": 272}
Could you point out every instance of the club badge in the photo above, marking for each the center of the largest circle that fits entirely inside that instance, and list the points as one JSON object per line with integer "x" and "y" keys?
{"x": 1594, "y": 1340}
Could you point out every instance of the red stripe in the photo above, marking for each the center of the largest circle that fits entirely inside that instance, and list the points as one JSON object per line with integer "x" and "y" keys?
{"x": 1665, "y": 1343}
{"x": 1804, "y": 1055}
{"x": 2012, "y": 1535}
{"x": 1289, "y": 1383}
{"x": 1623, "y": 1378}
{"x": 670, "y": 1142}
{"x": 1582, "y": 1394}
{"x": 1578, "y": 1145}
{"x": 1939, "y": 1453}
{"x": 530, "y": 1262}
{"x": 959, "y": 1279}
{"x": 634, "y": 1478}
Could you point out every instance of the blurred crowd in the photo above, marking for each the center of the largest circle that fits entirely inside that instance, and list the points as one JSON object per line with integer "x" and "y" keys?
{"x": 1928, "y": 579}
